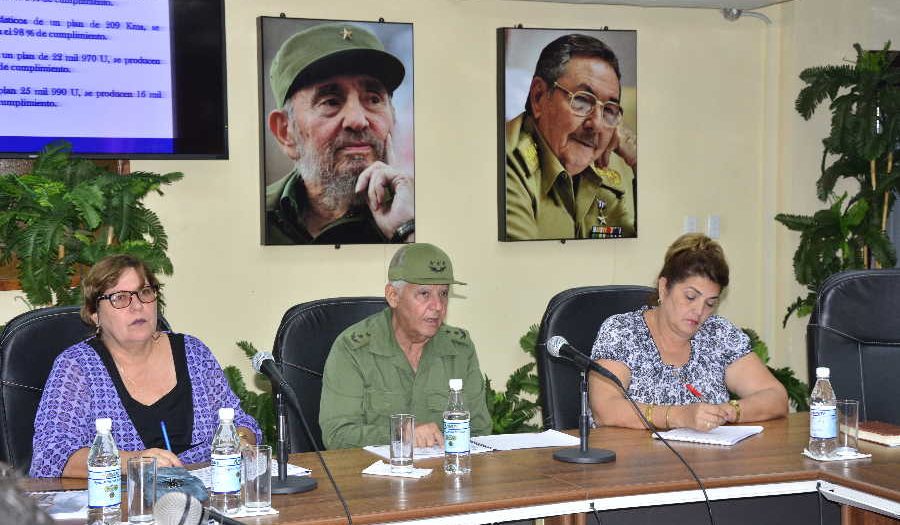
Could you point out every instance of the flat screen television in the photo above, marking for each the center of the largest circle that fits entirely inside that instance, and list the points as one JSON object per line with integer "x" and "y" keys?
{"x": 116, "y": 78}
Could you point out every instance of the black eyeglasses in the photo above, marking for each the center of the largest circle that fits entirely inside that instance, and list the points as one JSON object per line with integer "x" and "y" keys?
{"x": 584, "y": 104}
{"x": 122, "y": 299}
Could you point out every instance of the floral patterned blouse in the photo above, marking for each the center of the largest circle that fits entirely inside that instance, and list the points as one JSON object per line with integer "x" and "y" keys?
{"x": 717, "y": 344}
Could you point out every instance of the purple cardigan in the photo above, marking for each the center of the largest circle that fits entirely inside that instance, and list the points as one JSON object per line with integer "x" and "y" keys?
{"x": 80, "y": 390}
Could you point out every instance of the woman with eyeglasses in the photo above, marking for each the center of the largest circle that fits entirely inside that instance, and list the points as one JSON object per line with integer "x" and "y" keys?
{"x": 162, "y": 390}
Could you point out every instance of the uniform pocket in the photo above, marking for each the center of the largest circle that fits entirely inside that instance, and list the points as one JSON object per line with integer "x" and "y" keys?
{"x": 385, "y": 403}
{"x": 436, "y": 401}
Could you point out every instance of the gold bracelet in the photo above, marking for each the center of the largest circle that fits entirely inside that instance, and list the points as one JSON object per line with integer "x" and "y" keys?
{"x": 648, "y": 413}
{"x": 669, "y": 407}
{"x": 737, "y": 410}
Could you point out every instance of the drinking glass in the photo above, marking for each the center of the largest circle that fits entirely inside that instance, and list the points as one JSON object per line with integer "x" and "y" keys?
{"x": 848, "y": 427}
{"x": 256, "y": 461}
{"x": 141, "y": 489}
{"x": 403, "y": 437}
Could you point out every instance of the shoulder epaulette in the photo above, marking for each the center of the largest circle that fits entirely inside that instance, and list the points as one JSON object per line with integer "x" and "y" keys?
{"x": 457, "y": 335}
{"x": 359, "y": 338}
{"x": 528, "y": 148}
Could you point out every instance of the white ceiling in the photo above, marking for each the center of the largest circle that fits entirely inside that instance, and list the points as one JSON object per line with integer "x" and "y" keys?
{"x": 713, "y": 4}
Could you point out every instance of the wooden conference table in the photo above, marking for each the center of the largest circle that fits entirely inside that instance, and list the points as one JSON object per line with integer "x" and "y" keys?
{"x": 524, "y": 484}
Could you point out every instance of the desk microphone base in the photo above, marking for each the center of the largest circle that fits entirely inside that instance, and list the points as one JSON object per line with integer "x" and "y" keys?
{"x": 293, "y": 484}
{"x": 575, "y": 455}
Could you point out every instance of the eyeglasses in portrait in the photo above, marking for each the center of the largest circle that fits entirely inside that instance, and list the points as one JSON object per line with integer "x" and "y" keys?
{"x": 567, "y": 166}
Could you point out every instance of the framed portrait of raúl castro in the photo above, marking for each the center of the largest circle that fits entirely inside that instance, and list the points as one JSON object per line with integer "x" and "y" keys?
{"x": 337, "y": 156}
{"x": 567, "y": 145}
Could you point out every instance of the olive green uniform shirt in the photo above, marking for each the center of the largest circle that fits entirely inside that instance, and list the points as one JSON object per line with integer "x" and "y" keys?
{"x": 285, "y": 202}
{"x": 367, "y": 378}
{"x": 544, "y": 202}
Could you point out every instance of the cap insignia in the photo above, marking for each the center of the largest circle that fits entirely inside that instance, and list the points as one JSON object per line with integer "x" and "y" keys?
{"x": 346, "y": 34}
{"x": 437, "y": 266}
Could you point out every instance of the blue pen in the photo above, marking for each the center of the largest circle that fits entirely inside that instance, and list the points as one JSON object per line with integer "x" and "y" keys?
{"x": 162, "y": 425}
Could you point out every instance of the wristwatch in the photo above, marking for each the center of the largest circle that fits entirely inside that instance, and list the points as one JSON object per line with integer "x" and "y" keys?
{"x": 404, "y": 230}
{"x": 737, "y": 410}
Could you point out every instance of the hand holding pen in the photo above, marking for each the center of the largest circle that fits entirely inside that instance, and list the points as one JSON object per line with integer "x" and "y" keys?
{"x": 164, "y": 458}
{"x": 704, "y": 416}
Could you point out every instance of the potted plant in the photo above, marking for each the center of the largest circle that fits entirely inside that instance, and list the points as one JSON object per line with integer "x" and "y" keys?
{"x": 865, "y": 135}
{"x": 510, "y": 412}
{"x": 68, "y": 213}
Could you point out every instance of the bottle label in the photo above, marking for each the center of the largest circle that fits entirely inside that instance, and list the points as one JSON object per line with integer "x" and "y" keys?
{"x": 226, "y": 473}
{"x": 104, "y": 486}
{"x": 823, "y": 421}
{"x": 456, "y": 436}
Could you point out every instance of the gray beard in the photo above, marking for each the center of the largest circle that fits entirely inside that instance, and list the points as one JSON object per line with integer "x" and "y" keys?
{"x": 338, "y": 182}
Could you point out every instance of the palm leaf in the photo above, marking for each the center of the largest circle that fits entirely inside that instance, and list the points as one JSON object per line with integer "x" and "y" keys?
{"x": 57, "y": 217}
{"x": 823, "y": 82}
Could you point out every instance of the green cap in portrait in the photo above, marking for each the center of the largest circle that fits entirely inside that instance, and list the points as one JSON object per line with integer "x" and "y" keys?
{"x": 421, "y": 263}
{"x": 327, "y": 50}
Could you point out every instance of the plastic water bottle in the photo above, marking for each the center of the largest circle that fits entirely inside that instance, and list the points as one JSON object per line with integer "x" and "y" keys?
{"x": 822, "y": 416}
{"x": 226, "y": 465}
{"x": 104, "y": 477}
{"x": 456, "y": 432}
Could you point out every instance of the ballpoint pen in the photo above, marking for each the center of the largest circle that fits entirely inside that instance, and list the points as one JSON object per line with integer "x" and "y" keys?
{"x": 695, "y": 392}
{"x": 165, "y": 434}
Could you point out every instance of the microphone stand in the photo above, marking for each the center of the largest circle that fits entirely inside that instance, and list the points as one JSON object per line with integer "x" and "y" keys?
{"x": 583, "y": 454}
{"x": 284, "y": 484}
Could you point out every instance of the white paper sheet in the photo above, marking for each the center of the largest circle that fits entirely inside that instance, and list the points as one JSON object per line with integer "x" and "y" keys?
{"x": 725, "y": 435}
{"x": 547, "y": 438}
{"x": 422, "y": 452}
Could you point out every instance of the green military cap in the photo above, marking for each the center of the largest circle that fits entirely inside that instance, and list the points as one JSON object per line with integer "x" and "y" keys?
{"x": 327, "y": 50}
{"x": 421, "y": 263}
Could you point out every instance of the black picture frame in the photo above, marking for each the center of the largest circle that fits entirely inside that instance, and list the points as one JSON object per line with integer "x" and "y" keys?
{"x": 397, "y": 39}
{"x": 523, "y": 190}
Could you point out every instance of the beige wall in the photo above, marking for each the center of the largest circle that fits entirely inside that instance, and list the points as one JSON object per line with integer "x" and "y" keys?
{"x": 813, "y": 32}
{"x": 717, "y": 136}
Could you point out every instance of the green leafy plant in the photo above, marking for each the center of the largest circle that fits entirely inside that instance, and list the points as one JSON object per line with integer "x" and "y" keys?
{"x": 798, "y": 391}
{"x": 259, "y": 405}
{"x": 68, "y": 213}
{"x": 865, "y": 134}
{"x": 510, "y": 412}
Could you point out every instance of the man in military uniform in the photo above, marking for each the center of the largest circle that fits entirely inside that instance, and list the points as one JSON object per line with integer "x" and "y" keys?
{"x": 401, "y": 360}
{"x": 335, "y": 82}
{"x": 569, "y": 163}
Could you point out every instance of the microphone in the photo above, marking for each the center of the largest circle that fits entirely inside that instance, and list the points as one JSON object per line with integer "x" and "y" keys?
{"x": 177, "y": 508}
{"x": 180, "y": 508}
{"x": 582, "y": 454}
{"x": 265, "y": 364}
{"x": 558, "y": 345}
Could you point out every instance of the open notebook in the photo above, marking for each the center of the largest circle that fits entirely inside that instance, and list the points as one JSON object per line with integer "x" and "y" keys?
{"x": 725, "y": 435}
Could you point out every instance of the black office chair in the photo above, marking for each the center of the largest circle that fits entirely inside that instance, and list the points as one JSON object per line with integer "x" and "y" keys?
{"x": 28, "y": 346}
{"x": 302, "y": 344}
{"x": 854, "y": 330}
{"x": 576, "y": 314}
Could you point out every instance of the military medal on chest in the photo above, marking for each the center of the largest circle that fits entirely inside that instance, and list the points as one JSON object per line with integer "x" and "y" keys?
{"x": 602, "y": 230}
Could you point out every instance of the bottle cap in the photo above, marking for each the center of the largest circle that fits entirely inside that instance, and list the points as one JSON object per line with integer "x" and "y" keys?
{"x": 226, "y": 414}
{"x": 823, "y": 371}
{"x": 103, "y": 425}
{"x": 456, "y": 384}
